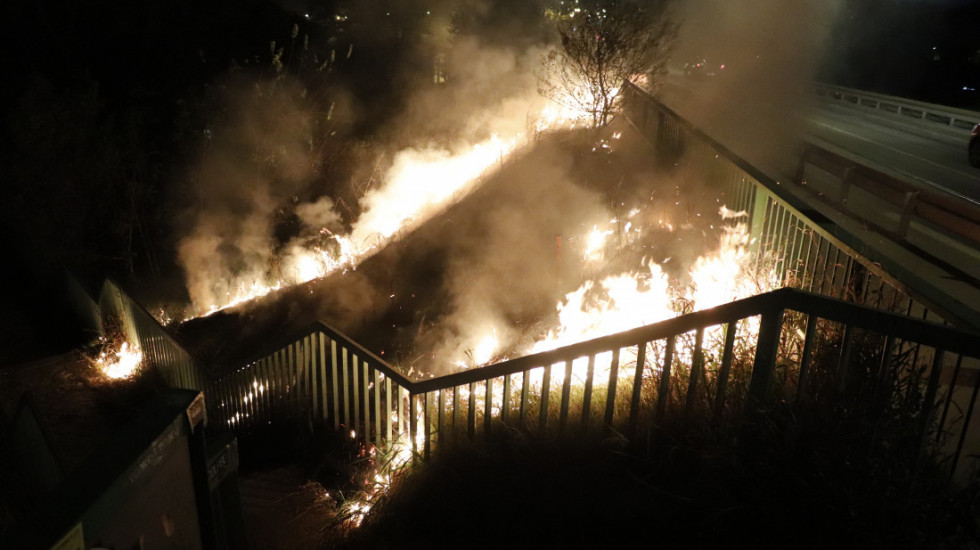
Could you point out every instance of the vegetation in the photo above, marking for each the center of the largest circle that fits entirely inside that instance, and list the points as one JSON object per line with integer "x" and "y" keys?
{"x": 603, "y": 44}
{"x": 794, "y": 478}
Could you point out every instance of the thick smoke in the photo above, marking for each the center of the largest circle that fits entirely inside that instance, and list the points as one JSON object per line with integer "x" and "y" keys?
{"x": 262, "y": 159}
{"x": 505, "y": 264}
{"x": 771, "y": 51}
{"x": 258, "y": 157}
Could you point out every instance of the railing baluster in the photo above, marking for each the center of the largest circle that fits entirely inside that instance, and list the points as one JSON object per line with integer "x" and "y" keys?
{"x": 335, "y": 390}
{"x": 456, "y": 419}
{"x": 809, "y": 339}
{"x": 426, "y": 421}
{"x": 766, "y": 349}
{"x": 695, "y": 375}
{"x": 488, "y": 406}
{"x": 366, "y": 395}
{"x": 356, "y": 386}
{"x": 505, "y": 404}
{"x": 441, "y": 413}
{"x": 471, "y": 413}
{"x": 727, "y": 357}
{"x": 377, "y": 408}
{"x": 543, "y": 401}
{"x": 966, "y": 424}
{"x": 323, "y": 378}
{"x": 929, "y": 401}
{"x": 587, "y": 393}
{"x": 949, "y": 395}
{"x": 611, "y": 389}
{"x": 524, "y": 392}
{"x": 403, "y": 421}
{"x": 663, "y": 392}
{"x": 641, "y": 355}
{"x": 389, "y": 407}
{"x": 291, "y": 379}
{"x": 346, "y": 388}
{"x": 566, "y": 391}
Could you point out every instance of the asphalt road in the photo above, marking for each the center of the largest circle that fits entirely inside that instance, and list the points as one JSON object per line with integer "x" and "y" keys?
{"x": 925, "y": 154}
{"x": 932, "y": 157}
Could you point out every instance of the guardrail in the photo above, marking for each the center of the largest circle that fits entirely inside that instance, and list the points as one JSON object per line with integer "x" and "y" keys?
{"x": 938, "y": 115}
{"x": 907, "y": 204}
{"x": 815, "y": 253}
{"x": 804, "y": 249}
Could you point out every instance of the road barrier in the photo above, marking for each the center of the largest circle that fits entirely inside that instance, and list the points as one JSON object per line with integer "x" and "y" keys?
{"x": 929, "y": 113}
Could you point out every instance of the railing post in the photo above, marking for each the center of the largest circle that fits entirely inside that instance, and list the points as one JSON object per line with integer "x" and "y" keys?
{"x": 611, "y": 389}
{"x": 695, "y": 374}
{"x": 758, "y": 220}
{"x": 663, "y": 391}
{"x": 766, "y": 350}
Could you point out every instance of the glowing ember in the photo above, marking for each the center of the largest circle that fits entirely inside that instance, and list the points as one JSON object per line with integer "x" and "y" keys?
{"x": 120, "y": 364}
{"x": 596, "y": 241}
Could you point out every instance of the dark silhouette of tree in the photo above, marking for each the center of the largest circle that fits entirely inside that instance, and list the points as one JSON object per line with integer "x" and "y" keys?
{"x": 602, "y": 44}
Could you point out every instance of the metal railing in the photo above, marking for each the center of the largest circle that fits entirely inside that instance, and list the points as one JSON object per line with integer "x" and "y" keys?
{"x": 716, "y": 363}
{"x": 907, "y": 214}
{"x": 320, "y": 376}
{"x": 784, "y": 346}
{"x": 159, "y": 348}
{"x": 809, "y": 251}
{"x": 929, "y": 113}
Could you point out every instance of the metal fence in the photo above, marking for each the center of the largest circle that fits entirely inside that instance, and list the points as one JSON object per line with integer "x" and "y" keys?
{"x": 928, "y": 113}
{"x": 317, "y": 376}
{"x": 786, "y": 346}
{"x": 798, "y": 242}
{"x": 121, "y": 313}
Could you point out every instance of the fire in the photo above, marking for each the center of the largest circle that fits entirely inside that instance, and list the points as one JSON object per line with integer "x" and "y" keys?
{"x": 595, "y": 243}
{"x": 628, "y": 300}
{"x": 419, "y": 184}
{"x": 121, "y": 363}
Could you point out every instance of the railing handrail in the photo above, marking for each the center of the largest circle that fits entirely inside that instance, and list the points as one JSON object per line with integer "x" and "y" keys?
{"x": 110, "y": 283}
{"x": 922, "y": 332}
{"x": 320, "y": 326}
{"x": 797, "y": 201}
{"x": 959, "y": 218}
{"x": 957, "y": 118}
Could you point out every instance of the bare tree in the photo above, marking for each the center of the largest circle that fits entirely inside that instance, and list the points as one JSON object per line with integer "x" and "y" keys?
{"x": 602, "y": 44}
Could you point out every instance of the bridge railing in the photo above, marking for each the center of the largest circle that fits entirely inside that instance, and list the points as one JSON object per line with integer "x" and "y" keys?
{"x": 929, "y": 113}
{"x": 807, "y": 250}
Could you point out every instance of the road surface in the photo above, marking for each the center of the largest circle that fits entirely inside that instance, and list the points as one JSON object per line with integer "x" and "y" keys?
{"x": 925, "y": 154}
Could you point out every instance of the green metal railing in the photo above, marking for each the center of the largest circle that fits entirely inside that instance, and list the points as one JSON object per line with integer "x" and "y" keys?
{"x": 784, "y": 346}
{"x": 768, "y": 348}
{"x": 319, "y": 375}
{"x": 159, "y": 348}
{"x": 799, "y": 243}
